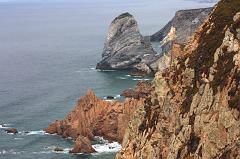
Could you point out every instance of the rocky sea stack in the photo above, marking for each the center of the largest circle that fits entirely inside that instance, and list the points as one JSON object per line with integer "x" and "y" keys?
{"x": 194, "y": 111}
{"x": 126, "y": 49}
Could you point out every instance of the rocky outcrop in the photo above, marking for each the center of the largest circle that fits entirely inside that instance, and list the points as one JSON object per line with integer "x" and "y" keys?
{"x": 125, "y": 48}
{"x": 194, "y": 111}
{"x": 11, "y": 131}
{"x": 83, "y": 145}
{"x": 95, "y": 117}
{"x": 58, "y": 149}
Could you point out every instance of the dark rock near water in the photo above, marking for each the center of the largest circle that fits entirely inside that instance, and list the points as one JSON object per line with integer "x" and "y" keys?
{"x": 11, "y": 131}
{"x": 110, "y": 97}
{"x": 126, "y": 48}
{"x": 58, "y": 149}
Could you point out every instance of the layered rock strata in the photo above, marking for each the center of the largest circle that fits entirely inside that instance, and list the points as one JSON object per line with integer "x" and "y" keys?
{"x": 93, "y": 116}
{"x": 126, "y": 48}
{"x": 194, "y": 111}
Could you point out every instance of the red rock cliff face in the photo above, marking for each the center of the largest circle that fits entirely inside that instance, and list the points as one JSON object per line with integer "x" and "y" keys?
{"x": 194, "y": 111}
{"x": 96, "y": 117}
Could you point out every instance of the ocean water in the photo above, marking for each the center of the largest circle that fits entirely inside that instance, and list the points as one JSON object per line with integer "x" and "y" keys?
{"x": 48, "y": 52}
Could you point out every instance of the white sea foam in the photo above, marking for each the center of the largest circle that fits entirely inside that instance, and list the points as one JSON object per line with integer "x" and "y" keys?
{"x": 42, "y": 152}
{"x": 40, "y": 132}
{"x": 11, "y": 152}
{"x": 141, "y": 79}
{"x": 4, "y": 126}
{"x": 136, "y": 76}
{"x": 128, "y": 75}
{"x": 18, "y": 138}
{"x": 123, "y": 78}
{"x": 118, "y": 96}
{"x": 105, "y": 146}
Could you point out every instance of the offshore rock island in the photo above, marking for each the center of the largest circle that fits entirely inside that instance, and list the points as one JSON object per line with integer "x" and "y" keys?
{"x": 126, "y": 48}
{"x": 192, "y": 107}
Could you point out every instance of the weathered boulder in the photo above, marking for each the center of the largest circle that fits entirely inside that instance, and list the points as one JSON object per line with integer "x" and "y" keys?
{"x": 125, "y": 48}
{"x": 11, "y": 131}
{"x": 194, "y": 109}
{"x": 82, "y": 145}
{"x": 110, "y": 97}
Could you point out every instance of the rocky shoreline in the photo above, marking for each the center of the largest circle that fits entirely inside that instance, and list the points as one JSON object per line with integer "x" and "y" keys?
{"x": 93, "y": 116}
{"x": 192, "y": 108}
{"x": 194, "y": 111}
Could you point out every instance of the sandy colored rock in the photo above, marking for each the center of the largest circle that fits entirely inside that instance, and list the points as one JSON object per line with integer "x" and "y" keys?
{"x": 82, "y": 145}
{"x": 93, "y": 116}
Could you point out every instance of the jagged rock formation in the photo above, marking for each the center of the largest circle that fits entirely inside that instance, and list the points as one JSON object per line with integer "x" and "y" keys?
{"x": 96, "y": 117}
{"x": 194, "y": 111}
{"x": 126, "y": 48}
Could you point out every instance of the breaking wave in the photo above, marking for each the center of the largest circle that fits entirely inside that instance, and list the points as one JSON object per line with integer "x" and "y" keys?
{"x": 105, "y": 147}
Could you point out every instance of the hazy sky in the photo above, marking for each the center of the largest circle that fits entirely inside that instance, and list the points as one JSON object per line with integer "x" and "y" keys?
{"x": 45, "y": 1}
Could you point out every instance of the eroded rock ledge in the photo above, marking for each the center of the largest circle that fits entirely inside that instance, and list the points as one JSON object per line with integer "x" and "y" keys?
{"x": 194, "y": 111}
{"x": 93, "y": 116}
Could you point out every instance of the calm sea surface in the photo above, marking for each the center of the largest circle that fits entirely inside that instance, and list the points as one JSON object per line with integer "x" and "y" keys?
{"x": 48, "y": 51}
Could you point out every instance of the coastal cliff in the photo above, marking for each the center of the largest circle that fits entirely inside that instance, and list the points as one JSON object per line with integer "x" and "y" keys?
{"x": 177, "y": 32}
{"x": 194, "y": 111}
{"x": 126, "y": 48}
